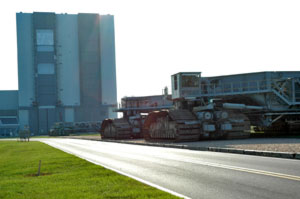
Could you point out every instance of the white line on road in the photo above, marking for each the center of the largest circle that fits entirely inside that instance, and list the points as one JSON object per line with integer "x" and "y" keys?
{"x": 118, "y": 171}
{"x": 152, "y": 154}
{"x": 138, "y": 155}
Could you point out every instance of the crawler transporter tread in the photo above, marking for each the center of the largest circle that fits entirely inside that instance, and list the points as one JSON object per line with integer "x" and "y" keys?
{"x": 173, "y": 125}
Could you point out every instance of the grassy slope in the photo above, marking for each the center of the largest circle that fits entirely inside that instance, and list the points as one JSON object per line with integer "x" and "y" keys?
{"x": 85, "y": 134}
{"x": 64, "y": 176}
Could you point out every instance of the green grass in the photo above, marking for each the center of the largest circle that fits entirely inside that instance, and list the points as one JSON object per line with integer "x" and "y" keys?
{"x": 42, "y": 136}
{"x": 85, "y": 134}
{"x": 63, "y": 176}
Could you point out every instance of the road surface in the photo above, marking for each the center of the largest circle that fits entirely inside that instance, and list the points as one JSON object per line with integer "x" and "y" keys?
{"x": 194, "y": 174}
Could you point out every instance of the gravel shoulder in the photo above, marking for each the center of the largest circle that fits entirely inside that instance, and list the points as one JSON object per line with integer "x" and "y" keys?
{"x": 260, "y": 144}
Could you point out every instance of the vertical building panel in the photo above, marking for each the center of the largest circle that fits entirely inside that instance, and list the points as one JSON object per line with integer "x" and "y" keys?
{"x": 43, "y": 121}
{"x": 51, "y": 117}
{"x": 26, "y": 71}
{"x": 88, "y": 33}
{"x": 44, "y": 34}
{"x": 89, "y": 67}
{"x": 23, "y": 118}
{"x": 69, "y": 115}
{"x": 108, "y": 63}
{"x": 44, "y": 20}
{"x": 34, "y": 121}
{"x": 46, "y": 90}
{"x": 47, "y": 117}
{"x": 68, "y": 60}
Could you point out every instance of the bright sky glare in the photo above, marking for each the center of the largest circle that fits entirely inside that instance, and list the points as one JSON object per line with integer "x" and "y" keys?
{"x": 157, "y": 38}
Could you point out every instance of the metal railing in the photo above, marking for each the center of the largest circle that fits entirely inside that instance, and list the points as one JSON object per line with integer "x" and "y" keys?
{"x": 234, "y": 87}
{"x": 283, "y": 88}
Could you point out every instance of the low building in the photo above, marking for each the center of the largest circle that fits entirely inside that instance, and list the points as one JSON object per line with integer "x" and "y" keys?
{"x": 8, "y": 113}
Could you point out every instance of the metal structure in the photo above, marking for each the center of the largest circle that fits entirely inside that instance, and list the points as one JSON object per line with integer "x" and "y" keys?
{"x": 226, "y": 106}
{"x": 67, "y": 128}
{"x": 135, "y": 111}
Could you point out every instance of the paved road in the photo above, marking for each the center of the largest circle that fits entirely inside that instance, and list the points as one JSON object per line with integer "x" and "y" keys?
{"x": 195, "y": 174}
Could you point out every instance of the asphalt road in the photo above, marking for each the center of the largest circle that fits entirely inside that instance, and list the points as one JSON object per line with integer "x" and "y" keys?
{"x": 194, "y": 174}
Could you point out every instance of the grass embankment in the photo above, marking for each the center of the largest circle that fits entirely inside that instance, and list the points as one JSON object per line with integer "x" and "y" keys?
{"x": 85, "y": 134}
{"x": 62, "y": 176}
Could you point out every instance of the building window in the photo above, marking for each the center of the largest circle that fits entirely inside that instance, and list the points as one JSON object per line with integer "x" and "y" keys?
{"x": 46, "y": 69}
{"x": 44, "y": 37}
{"x": 175, "y": 83}
{"x": 189, "y": 81}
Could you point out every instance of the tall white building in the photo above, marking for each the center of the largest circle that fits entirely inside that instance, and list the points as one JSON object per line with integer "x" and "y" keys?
{"x": 66, "y": 66}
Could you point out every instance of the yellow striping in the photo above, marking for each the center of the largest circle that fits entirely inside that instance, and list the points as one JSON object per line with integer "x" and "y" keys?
{"x": 267, "y": 173}
{"x": 279, "y": 175}
{"x": 236, "y": 168}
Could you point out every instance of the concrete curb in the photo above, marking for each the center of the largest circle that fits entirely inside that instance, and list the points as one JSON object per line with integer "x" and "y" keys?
{"x": 286, "y": 155}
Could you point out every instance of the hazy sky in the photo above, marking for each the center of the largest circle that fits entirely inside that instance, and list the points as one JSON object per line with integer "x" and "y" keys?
{"x": 155, "y": 39}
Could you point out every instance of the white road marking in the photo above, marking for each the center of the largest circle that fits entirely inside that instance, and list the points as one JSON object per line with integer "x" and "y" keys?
{"x": 140, "y": 155}
{"x": 116, "y": 170}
